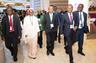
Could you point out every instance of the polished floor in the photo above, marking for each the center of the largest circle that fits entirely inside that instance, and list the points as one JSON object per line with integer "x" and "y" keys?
{"x": 60, "y": 55}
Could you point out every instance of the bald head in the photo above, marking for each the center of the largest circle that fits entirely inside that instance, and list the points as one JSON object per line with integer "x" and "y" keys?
{"x": 70, "y": 8}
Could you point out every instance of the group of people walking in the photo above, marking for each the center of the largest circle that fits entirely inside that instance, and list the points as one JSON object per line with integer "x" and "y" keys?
{"x": 72, "y": 24}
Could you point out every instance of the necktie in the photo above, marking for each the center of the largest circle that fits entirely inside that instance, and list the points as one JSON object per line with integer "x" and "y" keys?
{"x": 70, "y": 18}
{"x": 11, "y": 25}
{"x": 81, "y": 19}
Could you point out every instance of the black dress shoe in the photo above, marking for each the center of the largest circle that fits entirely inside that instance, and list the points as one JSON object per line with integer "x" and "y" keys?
{"x": 34, "y": 58}
{"x": 52, "y": 54}
{"x": 40, "y": 46}
{"x": 81, "y": 53}
{"x": 12, "y": 53}
{"x": 66, "y": 52}
{"x": 71, "y": 62}
{"x": 47, "y": 53}
{"x": 15, "y": 59}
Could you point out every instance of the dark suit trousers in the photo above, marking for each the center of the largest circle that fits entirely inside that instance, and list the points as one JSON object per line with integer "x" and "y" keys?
{"x": 55, "y": 35}
{"x": 50, "y": 41}
{"x": 40, "y": 38}
{"x": 80, "y": 38}
{"x": 12, "y": 44}
{"x": 65, "y": 41}
{"x": 59, "y": 35}
{"x": 68, "y": 45}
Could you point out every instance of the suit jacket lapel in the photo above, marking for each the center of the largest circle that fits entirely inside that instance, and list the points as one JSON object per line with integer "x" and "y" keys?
{"x": 53, "y": 18}
{"x": 78, "y": 17}
{"x": 68, "y": 19}
{"x": 49, "y": 19}
{"x": 7, "y": 21}
{"x": 14, "y": 21}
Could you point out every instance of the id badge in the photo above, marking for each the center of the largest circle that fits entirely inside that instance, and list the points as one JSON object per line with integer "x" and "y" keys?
{"x": 51, "y": 25}
{"x": 71, "y": 26}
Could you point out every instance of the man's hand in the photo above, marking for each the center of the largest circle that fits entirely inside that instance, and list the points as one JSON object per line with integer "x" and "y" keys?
{"x": 19, "y": 37}
{"x": 75, "y": 28}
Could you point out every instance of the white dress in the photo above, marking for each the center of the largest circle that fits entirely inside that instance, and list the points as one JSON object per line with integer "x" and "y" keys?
{"x": 30, "y": 34}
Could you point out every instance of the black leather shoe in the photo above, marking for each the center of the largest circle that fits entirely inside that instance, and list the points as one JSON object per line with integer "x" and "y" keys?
{"x": 81, "y": 53}
{"x": 34, "y": 58}
{"x": 52, "y": 54}
{"x": 66, "y": 52}
{"x": 71, "y": 62}
{"x": 15, "y": 59}
{"x": 40, "y": 46}
{"x": 12, "y": 53}
{"x": 47, "y": 53}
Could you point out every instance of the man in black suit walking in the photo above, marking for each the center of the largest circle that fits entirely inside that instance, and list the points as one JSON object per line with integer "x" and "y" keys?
{"x": 11, "y": 30}
{"x": 51, "y": 25}
{"x": 81, "y": 23}
{"x": 68, "y": 27}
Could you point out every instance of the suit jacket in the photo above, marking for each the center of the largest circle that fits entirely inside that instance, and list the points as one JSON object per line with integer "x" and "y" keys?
{"x": 76, "y": 18}
{"x": 47, "y": 21}
{"x": 6, "y": 26}
{"x": 66, "y": 24}
{"x": 42, "y": 27}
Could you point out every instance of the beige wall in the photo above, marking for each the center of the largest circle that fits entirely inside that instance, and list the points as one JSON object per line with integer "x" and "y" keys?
{"x": 45, "y": 4}
{"x": 59, "y": 3}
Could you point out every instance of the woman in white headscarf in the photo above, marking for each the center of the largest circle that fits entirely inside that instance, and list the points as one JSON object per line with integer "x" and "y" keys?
{"x": 30, "y": 33}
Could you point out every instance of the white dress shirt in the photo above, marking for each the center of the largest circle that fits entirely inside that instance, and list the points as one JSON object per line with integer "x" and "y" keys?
{"x": 51, "y": 16}
{"x": 81, "y": 22}
{"x": 72, "y": 25}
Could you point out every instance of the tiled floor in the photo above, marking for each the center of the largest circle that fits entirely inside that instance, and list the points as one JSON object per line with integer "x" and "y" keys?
{"x": 60, "y": 55}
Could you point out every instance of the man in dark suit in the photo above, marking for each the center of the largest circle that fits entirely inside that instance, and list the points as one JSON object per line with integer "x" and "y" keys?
{"x": 11, "y": 30}
{"x": 81, "y": 23}
{"x": 68, "y": 27}
{"x": 51, "y": 25}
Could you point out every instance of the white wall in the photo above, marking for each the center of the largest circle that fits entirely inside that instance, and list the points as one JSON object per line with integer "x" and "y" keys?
{"x": 76, "y": 2}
